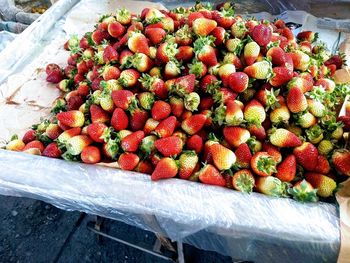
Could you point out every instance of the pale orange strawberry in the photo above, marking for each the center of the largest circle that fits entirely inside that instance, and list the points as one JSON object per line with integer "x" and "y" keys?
{"x": 259, "y": 70}
{"x": 203, "y": 26}
{"x": 251, "y": 52}
{"x": 324, "y": 184}
{"x": 188, "y": 161}
{"x": 72, "y": 118}
{"x": 284, "y": 138}
{"x": 235, "y": 136}
{"x": 254, "y": 112}
{"x": 223, "y": 157}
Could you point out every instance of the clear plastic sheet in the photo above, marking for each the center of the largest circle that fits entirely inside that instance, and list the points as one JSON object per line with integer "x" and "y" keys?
{"x": 246, "y": 227}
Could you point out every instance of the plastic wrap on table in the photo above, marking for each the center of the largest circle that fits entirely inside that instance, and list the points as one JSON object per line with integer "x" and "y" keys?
{"x": 246, "y": 227}
{"x": 250, "y": 227}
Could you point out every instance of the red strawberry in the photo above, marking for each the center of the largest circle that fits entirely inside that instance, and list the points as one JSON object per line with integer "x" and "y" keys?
{"x": 110, "y": 72}
{"x": 115, "y": 29}
{"x": 29, "y": 136}
{"x": 185, "y": 84}
{"x": 284, "y": 138}
{"x": 243, "y": 181}
{"x": 243, "y": 156}
{"x": 119, "y": 120}
{"x": 308, "y": 36}
{"x": 128, "y": 161}
{"x": 185, "y": 53}
{"x": 306, "y": 155}
{"x": 35, "y": 144}
{"x": 98, "y": 114}
{"x": 96, "y": 130}
{"x": 76, "y": 144}
{"x": 177, "y": 106}
{"x": 203, "y": 26}
{"x": 219, "y": 34}
{"x": 52, "y": 150}
{"x": 262, "y": 34}
{"x": 155, "y": 85}
{"x": 281, "y": 75}
{"x": 235, "y": 136}
{"x": 129, "y": 78}
{"x": 137, "y": 43}
{"x": 160, "y": 110}
{"x": 263, "y": 164}
{"x": 169, "y": 146}
{"x": 210, "y": 175}
{"x": 166, "y": 168}
{"x": 324, "y": 184}
{"x": 122, "y": 98}
{"x": 166, "y": 127}
{"x": 322, "y": 165}
{"x": 277, "y": 55}
{"x": 155, "y": 35}
{"x": 150, "y": 126}
{"x": 72, "y": 118}
{"x": 193, "y": 16}
{"x": 193, "y": 124}
{"x": 91, "y": 154}
{"x": 131, "y": 142}
{"x": 195, "y": 143}
{"x": 166, "y": 52}
{"x": 296, "y": 100}
{"x": 273, "y": 151}
{"x": 286, "y": 170}
{"x": 257, "y": 131}
{"x": 138, "y": 119}
{"x": 144, "y": 167}
{"x": 337, "y": 60}
{"x": 205, "y": 52}
{"x": 238, "y": 81}
{"x": 341, "y": 161}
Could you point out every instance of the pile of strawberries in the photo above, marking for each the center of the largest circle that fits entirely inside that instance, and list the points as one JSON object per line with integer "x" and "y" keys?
{"x": 204, "y": 95}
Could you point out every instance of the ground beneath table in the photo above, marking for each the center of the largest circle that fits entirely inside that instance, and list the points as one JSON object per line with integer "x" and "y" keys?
{"x": 34, "y": 231}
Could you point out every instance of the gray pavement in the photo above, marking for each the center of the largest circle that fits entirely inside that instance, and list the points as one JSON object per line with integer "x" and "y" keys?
{"x": 33, "y": 231}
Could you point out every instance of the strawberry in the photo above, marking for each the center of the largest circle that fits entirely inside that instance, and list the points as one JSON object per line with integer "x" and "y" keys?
{"x": 166, "y": 168}
{"x": 129, "y": 78}
{"x": 177, "y": 106}
{"x": 76, "y": 144}
{"x": 166, "y": 127}
{"x": 238, "y": 81}
{"x": 195, "y": 143}
{"x": 66, "y": 135}
{"x": 223, "y": 157}
{"x": 141, "y": 62}
{"x": 243, "y": 155}
{"x": 138, "y": 118}
{"x": 72, "y": 118}
{"x": 238, "y": 29}
{"x": 316, "y": 107}
{"x": 147, "y": 144}
{"x": 193, "y": 124}
{"x": 205, "y": 52}
{"x": 269, "y": 186}
{"x": 322, "y": 166}
{"x": 150, "y": 125}
{"x": 91, "y": 154}
{"x": 259, "y": 70}
{"x": 155, "y": 35}
{"x": 169, "y": 146}
{"x": 144, "y": 167}
{"x": 128, "y": 161}
{"x": 203, "y": 26}
{"x": 137, "y": 43}
{"x": 325, "y": 147}
{"x": 306, "y": 120}
{"x": 251, "y": 52}
{"x": 262, "y": 34}
{"x": 155, "y": 85}
{"x": 235, "y": 136}
{"x": 183, "y": 36}
{"x": 210, "y": 175}
{"x": 198, "y": 68}
{"x": 254, "y": 112}
{"x": 324, "y": 184}
{"x": 286, "y": 170}
{"x": 123, "y": 98}
{"x": 29, "y": 136}
{"x": 34, "y": 144}
{"x": 281, "y": 75}
{"x": 131, "y": 142}
{"x": 96, "y": 131}
{"x": 272, "y": 151}
{"x": 300, "y": 60}
{"x": 98, "y": 114}
{"x": 277, "y": 56}
{"x": 306, "y": 155}
{"x": 110, "y": 72}
{"x": 303, "y": 191}
{"x": 219, "y": 33}
{"x": 303, "y": 84}
{"x": 193, "y": 16}
{"x": 233, "y": 114}
{"x": 243, "y": 181}
{"x": 284, "y": 138}
{"x": 263, "y": 164}
{"x": 308, "y": 36}
{"x": 188, "y": 161}
{"x": 160, "y": 110}
{"x": 185, "y": 84}
{"x": 327, "y": 84}
{"x": 166, "y": 52}
{"x": 257, "y": 131}
{"x": 341, "y": 161}
{"x": 296, "y": 100}
{"x": 146, "y": 100}
{"x": 185, "y": 53}
{"x": 337, "y": 60}
{"x": 225, "y": 71}
{"x": 172, "y": 69}
{"x": 52, "y": 150}
{"x": 115, "y": 29}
